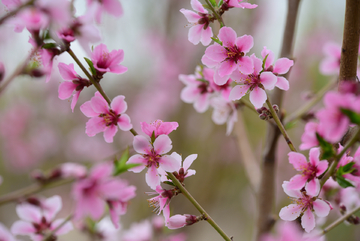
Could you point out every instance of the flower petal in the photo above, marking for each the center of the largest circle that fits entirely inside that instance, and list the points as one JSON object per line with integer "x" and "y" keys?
{"x": 66, "y": 89}
{"x": 118, "y": 104}
{"x": 258, "y": 97}
{"x": 188, "y": 161}
{"x": 162, "y": 144}
{"x": 142, "y": 144}
{"x": 227, "y": 36}
{"x": 238, "y": 92}
{"x": 216, "y": 52}
{"x": 109, "y": 133}
{"x": 291, "y": 212}
{"x": 29, "y": 212}
{"x": 298, "y": 160}
{"x": 124, "y": 122}
{"x": 313, "y": 187}
{"x": 282, "y": 65}
{"x": 22, "y": 228}
{"x": 137, "y": 159}
{"x": 321, "y": 208}
{"x": 308, "y": 220}
{"x": 169, "y": 164}
{"x": 152, "y": 177}
{"x": 282, "y": 83}
{"x": 268, "y": 80}
{"x": 245, "y": 43}
{"x": 297, "y": 182}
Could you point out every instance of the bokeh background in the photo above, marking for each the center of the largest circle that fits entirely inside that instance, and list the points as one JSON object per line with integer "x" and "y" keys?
{"x": 39, "y": 131}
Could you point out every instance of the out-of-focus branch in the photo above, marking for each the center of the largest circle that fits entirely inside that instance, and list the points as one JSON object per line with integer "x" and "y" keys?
{"x": 350, "y": 45}
{"x": 266, "y": 193}
{"x": 15, "y": 11}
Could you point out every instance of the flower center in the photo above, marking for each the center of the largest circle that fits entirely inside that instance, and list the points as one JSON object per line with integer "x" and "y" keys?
{"x": 42, "y": 226}
{"x": 310, "y": 172}
{"x": 152, "y": 159}
{"x": 234, "y": 53}
{"x": 110, "y": 118}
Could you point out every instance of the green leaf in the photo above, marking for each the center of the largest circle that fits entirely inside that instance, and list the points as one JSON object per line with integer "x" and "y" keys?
{"x": 353, "y": 116}
{"x": 220, "y": 3}
{"x": 120, "y": 164}
{"x": 326, "y": 147}
{"x": 153, "y": 137}
{"x": 263, "y": 64}
{"x": 91, "y": 65}
{"x": 169, "y": 183}
{"x": 49, "y": 46}
{"x": 217, "y": 40}
{"x": 290, "y": 125}
{"x": 348, "y": 167}
{"x": 207, "y": 7}
{"x": 343, "y": 182}
{"x": 213, "y": 3}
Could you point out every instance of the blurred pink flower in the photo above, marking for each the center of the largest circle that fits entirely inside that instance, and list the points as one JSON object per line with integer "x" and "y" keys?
{"x": 100, "y": 187}
{"x": 73, "y": 83}
{"x": 255, "y": 83}
{"x": 281, "y": 66}
{"x": 179, "y": 221}
{"x": 152, "y": 156}
{"x": 105, "y": 61}
{"x": 231, "y": 55}
{"x": 73, "y": 170}
{"x": 162, "y": 200}
{"x": 224, "y": 112}
{"x": 105, "y": 119}
{"x": 5, "y": 234}
{"x": 141, "y": 231}
{"x": 38, "y": 221}
{"x": 239, "y": 4}
{"x": 158, "y": 127}
{"x": 331, "y": 63}
{"x": 305, "y": 205}
{"x": 310, "y": 171}
{"x": 199, "y": 20}
{"x": 309, "y": 138}
{"x": 112, "y": 7}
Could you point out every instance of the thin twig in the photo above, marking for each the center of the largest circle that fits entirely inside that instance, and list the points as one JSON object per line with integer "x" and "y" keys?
{"x": 198, "y": 207}
{"x": 15, "y": 11}
{"x": 218, "y": 17}
{"x": 50, "y": 235}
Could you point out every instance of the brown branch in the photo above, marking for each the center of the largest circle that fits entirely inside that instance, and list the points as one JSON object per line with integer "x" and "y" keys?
{"x": 266, "y": 194}
{"x": 350, "y": 45}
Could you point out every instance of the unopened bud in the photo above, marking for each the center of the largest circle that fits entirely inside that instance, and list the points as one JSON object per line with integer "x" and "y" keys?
{"x": 33, "y": 201}
{"x": 259, "y": 110}
{"x": 263, "y": 116}
{"x": 276, "y": 108}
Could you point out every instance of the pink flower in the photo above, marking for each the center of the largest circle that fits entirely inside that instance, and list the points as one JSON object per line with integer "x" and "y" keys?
{"x": 139, "y": 232}
{"x": 5, "y": 235}
{"x": 38, "y": 221}
{"x": 105, "y": 61}
{"x": 310, "y": 171}
{"x": 100, "y": 188}
{"x": 73, "y": 83}
{"x": 238, "y": 4}
{"x": 331, "y": 64}
{"x": 158, "y": 127}
{"x": 198, "y": 88}
{"x": 162, "y": 200}
{"x": 305, "y": 205}
{"x": 309, "y": 138}
{"x": 152, "y": 156}
{"x": 289, "y": 232}
{"x": 179, "y": 221}
{"x": 334, "y": 122}
{"x": 224, "y": 112}
{"x": 231, "y": 55}
{"x": 255, "y": 83}
{"x": 200, "y": 20}
{"x": 281, "y": 66}
{"x": 184, "y": 170}
{"x": 112, "y": 7}
{"x": 105, "y": 119}
{"x": 72, "y": 170}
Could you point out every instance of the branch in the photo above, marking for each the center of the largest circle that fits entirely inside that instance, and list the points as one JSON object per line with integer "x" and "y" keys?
{"x": 12, "y": 13}
{"x": 350, "y": 45}
{"x": 198, "y": 207}
{"x": 266, "y": 193}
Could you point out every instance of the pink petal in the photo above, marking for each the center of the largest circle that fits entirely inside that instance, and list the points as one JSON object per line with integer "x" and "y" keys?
{"x": 67, "y": 72}
{"x": 29, "y": 212}
{"x": 268, "y": 80}
{"x": 291, "y": 192}
{"x": 282, "y": 83}
{"x": 245, "y": 43}
{"x": 291, "y": 212}
{"x": 270, "y": 57}
{"x": 137, "y": 159}
{"x": 67, "y": 227}
{"x": 194, "y": 35}
{"x": 66, "y": 89}
{"x": 238, "y": 92}
{"x": 176, "y": 157}
{"x": 314, "y": 155}
{"x": 51, "y": 207}
{"x": 208, "y": 62}
{"x": 258, "y": 97}
{"x": 118, "y": 104}
{"x": 282, "y": 65}
{"x": 87, "y": 109}
{"x": 227, "y": 67}
{"x": 197, "y": 6}
{"x": 142, "y": 144}
{"x": 245, "y": 65}
{"x": 297, "y": 160}
{"x": 152, "y": 177}
{"x": 113, "y": 7}
{"x": 190, "y": 172}
{"x": 124, "y": 123}
{"x": 308, "y": 220}
{"x": 95, "y": 125}
{"x": 101, "y": 171}
{"x": 321, "y": 167}
{"x": 329, "y": 66}
{"x": 257, "y": 63}
{"x": 188, "y": 161}
{"x": 216, "y": 52}
{"x": 176, "y": 221}
{"x": 321, "y": 208}
{"x": 99, "y": 105}
{"x": 22, "y": 228}
{"x": 95, "y": 206}
{"x": 109, "y": 133}
{"x": 202, "y": 103}
{"x": 206, "y": 36}
{"x": 220, "y": 80}
{"x": 191, "y": 16}
{"x": 169, "y": 164}
{"x": 74, "y": 100}
{"x": 227, "y": 36}
{"x": 118, "y": 69}
{"x": 189, "y": 94}
{"x": 297, "y": 182}
{"x": 313, "y": 187}
{"x": 162, "y": 144}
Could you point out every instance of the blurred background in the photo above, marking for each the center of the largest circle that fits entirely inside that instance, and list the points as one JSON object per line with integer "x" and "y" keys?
{"x": 39, "y": 131}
